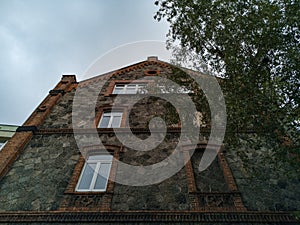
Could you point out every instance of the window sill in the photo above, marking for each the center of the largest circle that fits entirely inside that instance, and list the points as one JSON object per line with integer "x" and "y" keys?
{"x": 88, "y": 192}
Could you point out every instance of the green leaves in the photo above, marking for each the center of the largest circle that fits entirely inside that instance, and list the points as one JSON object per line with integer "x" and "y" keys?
{"x": 255, "y": 46}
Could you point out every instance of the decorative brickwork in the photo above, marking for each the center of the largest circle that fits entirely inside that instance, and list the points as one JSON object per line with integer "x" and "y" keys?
{"x": 12, "y": 149}
{"x": 126, "y": 70}
{"x": 90, "y": 201}
{"x": 41, "y": 165}
{"x": 17, "y": 143}
{"x": 238, "y": 203}
{"x": 213, "y": 201}
{"x": 152, "y": 217}
{"x": 50, "y": 101}
{"x": 191, "y": 181}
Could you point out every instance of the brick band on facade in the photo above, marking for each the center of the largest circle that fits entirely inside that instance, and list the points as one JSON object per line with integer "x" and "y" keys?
{"x": 150, "y": 217}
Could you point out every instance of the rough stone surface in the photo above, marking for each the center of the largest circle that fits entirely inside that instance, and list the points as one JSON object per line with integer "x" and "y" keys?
{"x": 37, "y": 180}
{"x": 61, "y": 114}
{"x": 210, "y": 180}
{"x": 147, "y": 107}
{"x": 171, "y": 194}
{"x": 265, "y": 182}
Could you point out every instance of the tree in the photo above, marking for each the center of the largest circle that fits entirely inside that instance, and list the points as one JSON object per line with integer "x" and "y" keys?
{"x": 255, "y": 46}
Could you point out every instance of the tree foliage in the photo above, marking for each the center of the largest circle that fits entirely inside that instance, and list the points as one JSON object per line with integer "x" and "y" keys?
{"x": 255, "y": 46}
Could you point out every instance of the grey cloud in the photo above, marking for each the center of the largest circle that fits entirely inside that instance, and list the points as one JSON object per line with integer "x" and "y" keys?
{"x": 40, "y": 40}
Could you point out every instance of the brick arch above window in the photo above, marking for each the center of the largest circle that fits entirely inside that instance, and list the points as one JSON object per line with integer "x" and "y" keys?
{"x": 114, "y": 150}
{"x": 91, "y": 200}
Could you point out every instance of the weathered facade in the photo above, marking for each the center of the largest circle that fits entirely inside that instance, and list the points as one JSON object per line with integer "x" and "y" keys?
{"x": 48, "y": 177}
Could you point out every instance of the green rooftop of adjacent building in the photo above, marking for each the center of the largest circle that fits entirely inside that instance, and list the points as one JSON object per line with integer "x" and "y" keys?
{"x": 6, "y": 132}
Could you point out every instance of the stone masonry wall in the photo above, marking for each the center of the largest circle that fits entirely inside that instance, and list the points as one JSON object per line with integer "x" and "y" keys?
{"x": 171, "y": 194}
{"x": 38, "y": 178}
{"x": 266, "y": 183}
{"x": 210, "y": 180}
{"x": 61, "y": 114}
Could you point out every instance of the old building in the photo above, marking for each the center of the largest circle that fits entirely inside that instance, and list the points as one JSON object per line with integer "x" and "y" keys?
{"x": 66, "y": 163}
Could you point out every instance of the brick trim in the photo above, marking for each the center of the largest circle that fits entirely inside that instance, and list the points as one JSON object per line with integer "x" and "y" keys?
{"x": 232, "y": 198}
{"x": 12, "y": 149}
{"x": 191, "y": 180}
{"x": 127, "y": 69}
{"x": 150, "y": 217}
{"x": 75, "y": 176}
{"x": 38, "y": 116}
{"x": 189, "y": 168}
{"x": 17, "y": 143}
{"x": 100, "y": 201}
{"x": 238, "y": 202}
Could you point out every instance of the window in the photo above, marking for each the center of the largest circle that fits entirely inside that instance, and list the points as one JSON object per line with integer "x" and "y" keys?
{"x": 129, "y": 89}
{"x": 110, "y": 119}
{"x": 180, "y": 90}
{"x": 2, "y": 143}
{"x": 95, "y": 173}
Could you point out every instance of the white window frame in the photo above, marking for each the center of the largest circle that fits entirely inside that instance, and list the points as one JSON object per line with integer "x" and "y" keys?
{"x": 111, "y": 115}
{"x": 180, "y": 90}
{"x": 125, "y": 88}
{"x": 98, "y": 163}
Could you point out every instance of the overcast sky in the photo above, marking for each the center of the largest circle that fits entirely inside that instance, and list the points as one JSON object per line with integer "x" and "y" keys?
{"x": 41, "y": 40}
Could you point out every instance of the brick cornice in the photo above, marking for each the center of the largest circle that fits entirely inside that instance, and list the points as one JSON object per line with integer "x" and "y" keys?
{"x": 17, "y": 143}
{"x": 39, "y": 115}
{"x": 12, "y": 150}
{"x": 148, "y": 217}
{"x": 127, "y": 69}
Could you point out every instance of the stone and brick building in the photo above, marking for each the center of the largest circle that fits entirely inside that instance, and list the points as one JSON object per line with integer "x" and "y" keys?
{"x": 46, "y": 177}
